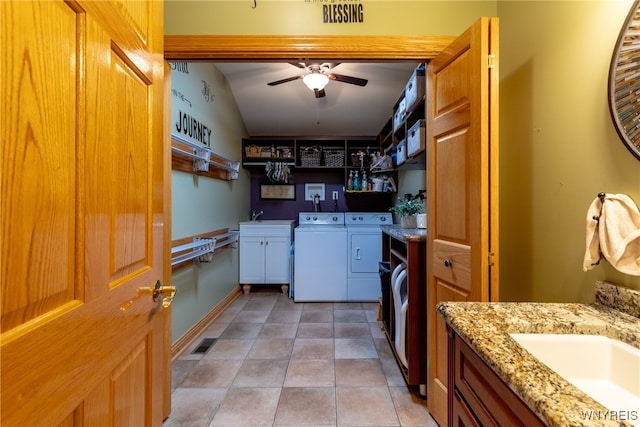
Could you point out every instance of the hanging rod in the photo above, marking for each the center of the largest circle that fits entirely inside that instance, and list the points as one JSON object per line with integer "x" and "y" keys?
{"x": 200, "y": 249}
{"x": 231, "y": 166}
{"x": 227, "y": 238}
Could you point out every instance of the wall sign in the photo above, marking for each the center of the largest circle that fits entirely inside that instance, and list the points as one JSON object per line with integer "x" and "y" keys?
{"x": 192, "y": 104}
{"x": 189, "y": 126}
{"x": 282, "y": 191}
{"x": 341, "y": 11}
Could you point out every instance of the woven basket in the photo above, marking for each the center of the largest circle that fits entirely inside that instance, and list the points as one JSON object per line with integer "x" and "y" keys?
{"x": 310, "y": 156}
{"x": 252, "y": 151}
{"x": 334, "y": 158}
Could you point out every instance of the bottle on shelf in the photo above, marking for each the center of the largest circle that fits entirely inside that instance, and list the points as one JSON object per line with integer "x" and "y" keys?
{"x": 350, "y": 181}
{"x": 356, "y": 182}
{"x": 363, "y": 185}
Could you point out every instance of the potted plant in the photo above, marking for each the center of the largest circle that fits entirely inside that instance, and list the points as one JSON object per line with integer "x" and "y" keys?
{"x": 407, "y": 209}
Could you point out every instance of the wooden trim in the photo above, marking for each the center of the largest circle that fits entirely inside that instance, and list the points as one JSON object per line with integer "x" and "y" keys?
{"x": 270, "y": 48}
{"x": 187, "y": 338}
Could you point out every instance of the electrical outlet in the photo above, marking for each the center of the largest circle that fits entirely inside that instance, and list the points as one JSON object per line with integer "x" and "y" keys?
{"x": 335, "y": 195}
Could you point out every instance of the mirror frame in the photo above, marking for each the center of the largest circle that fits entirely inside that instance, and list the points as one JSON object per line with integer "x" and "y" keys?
{"x": 624, "y": 82}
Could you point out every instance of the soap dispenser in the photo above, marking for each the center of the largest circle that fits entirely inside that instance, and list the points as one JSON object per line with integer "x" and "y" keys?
{"x": 356, "y": 182}
{"x": 350, "y": 181}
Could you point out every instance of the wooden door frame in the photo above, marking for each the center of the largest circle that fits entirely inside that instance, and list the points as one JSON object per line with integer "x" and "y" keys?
{"x": 287, "y": 48}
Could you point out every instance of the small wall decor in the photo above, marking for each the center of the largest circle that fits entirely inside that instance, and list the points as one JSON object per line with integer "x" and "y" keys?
{"x": 278, "y": 192}
{"x": 624, "y": 86}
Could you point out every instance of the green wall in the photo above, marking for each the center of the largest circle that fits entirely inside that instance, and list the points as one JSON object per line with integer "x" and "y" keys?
{"x": 558, "y": 145}
{"x": 300, "y": 17}
{"x": 200, "y": 204}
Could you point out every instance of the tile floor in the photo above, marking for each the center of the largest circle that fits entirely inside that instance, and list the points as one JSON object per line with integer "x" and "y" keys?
{"x": 280, "y": 363}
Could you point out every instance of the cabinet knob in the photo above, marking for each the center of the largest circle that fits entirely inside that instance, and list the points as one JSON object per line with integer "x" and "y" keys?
{"x": 448, "y": 263}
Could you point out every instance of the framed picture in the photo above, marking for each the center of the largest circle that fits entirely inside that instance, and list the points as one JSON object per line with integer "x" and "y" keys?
{"x": 281, "y": 192}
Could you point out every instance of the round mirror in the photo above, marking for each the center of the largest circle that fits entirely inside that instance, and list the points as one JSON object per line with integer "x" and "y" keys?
{"x": 624, "y": 82}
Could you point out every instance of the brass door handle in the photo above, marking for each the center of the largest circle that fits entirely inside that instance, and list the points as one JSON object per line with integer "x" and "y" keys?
{"x": 167, "y": 293}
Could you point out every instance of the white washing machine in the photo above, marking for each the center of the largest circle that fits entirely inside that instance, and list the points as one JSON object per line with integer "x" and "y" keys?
{"x": 364, "y": 238}
{"x": 320, "y": 260}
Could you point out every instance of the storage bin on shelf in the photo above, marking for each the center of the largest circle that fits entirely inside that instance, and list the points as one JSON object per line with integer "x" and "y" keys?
{"x": 310, "y": 156}
{"x": 252, "y": 151}
{"x": 414, "y": 90}
{"x": 360, "y": 160}
{"x": 399, "y": 114}
{"x": 333, "y": 158}
{"x": 416, "y": 138}
{"x": 401, "y": 152}
{"x": 266, "y": 152}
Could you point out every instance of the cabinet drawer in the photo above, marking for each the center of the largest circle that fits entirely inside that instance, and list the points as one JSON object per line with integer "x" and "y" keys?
{"x": 452, "y": 263}
{"x": 490, "y": 400}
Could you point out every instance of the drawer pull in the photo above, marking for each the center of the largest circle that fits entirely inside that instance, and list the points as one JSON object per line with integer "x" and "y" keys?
{"x": 448, "y": 263}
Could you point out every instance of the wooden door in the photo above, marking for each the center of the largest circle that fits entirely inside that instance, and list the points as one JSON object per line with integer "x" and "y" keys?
{"x": 462, "y": 187}
{"x": 84, "y": 168}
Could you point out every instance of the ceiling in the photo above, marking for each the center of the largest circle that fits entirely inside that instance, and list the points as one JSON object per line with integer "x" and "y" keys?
{"x": 291, "y": 109}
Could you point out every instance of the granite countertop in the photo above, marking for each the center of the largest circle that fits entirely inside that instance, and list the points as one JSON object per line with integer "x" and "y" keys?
{"x": 405, "y": 234}
{"x": 486, "y": 328}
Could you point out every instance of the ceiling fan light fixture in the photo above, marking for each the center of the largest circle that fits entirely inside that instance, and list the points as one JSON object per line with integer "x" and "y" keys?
{"x": 315, "y": 81}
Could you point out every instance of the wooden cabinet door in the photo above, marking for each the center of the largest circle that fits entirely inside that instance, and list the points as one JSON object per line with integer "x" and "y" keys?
{"x": 462, "y": 187}
{"x": 84, "y": 174}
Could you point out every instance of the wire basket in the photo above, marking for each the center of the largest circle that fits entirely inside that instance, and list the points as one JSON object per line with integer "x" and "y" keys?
{"x": 334, "y": 158}
{"x": 252, "y": 151}
{"x": 310, "y": 156}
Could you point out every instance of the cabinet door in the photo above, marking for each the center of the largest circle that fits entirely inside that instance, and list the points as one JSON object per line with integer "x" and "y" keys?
{"x": 462, "y": 186}
{"x": 252, "y": 253}
{"x": 277, "y": 260}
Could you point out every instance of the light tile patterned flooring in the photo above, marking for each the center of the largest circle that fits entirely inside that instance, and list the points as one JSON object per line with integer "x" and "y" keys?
{"x": 280, "y": 363}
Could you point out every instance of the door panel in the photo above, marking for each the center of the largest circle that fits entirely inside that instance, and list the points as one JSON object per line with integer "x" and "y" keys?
{"x": 461, "y": 181}
{"x": 43, "y": 212}
{"x": 82, "y": 217}
{"x": 365, "y": 252}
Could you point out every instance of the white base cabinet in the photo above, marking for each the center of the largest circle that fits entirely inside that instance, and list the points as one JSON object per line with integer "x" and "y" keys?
{"x": 265, "y": 253}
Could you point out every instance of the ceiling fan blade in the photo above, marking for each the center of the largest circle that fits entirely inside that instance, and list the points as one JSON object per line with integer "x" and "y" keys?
{"x": 289, "y": 79}
{"x": 319, "y": 93}
{"x": 348, "y": 79}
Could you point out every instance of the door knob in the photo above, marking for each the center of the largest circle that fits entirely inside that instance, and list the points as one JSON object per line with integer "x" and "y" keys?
{"x": 448, "y": 263}
{"x": 167, "y": 293}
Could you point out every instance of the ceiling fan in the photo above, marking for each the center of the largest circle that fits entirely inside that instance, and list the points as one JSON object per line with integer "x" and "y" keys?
{"x": 316, "y": 77}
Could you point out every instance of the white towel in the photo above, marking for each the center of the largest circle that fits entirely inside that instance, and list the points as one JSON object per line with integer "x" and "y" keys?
{"x": 615, "y": 235}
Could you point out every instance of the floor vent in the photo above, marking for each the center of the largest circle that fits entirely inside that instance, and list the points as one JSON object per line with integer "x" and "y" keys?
{"x": 204, "y": 346}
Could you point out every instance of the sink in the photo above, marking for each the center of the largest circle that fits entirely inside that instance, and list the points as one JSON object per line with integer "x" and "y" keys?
{"x": 606, "y": 369}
